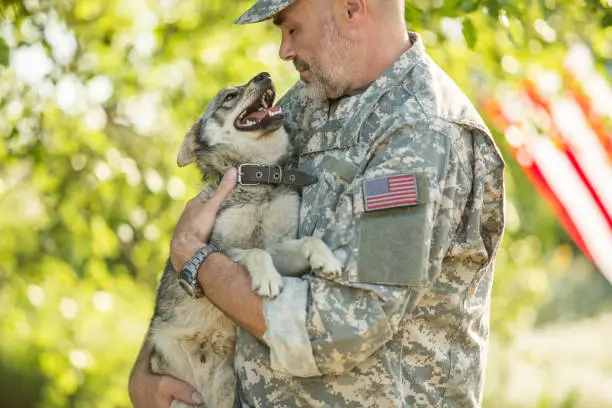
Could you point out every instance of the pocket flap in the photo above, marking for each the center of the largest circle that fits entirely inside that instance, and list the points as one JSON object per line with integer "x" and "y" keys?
{"x": 329, "y": 136}
{"x": 394, "y": 240}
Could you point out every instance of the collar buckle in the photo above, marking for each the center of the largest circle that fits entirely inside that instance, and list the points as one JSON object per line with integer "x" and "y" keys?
{"x": 241, "y": 174}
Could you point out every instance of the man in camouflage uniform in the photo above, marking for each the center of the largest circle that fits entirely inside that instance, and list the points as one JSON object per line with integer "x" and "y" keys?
{"x": 406, "y": 324}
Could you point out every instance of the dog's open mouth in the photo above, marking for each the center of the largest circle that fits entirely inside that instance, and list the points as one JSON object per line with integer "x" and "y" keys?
{"x": 260, "y": 114}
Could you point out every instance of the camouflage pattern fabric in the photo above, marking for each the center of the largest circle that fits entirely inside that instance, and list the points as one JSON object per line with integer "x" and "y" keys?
{"x": 406, "y": 325}
{"x": 263, "y": 10}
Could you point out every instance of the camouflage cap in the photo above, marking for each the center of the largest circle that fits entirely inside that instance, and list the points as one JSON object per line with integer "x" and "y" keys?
{"x": 263, "y": 10}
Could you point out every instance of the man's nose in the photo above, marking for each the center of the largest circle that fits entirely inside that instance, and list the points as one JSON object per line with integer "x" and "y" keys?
{"x": 286, "y": 51}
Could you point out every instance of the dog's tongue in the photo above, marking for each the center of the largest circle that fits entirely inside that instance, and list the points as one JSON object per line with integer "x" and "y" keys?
{"x": 259, "y": 115}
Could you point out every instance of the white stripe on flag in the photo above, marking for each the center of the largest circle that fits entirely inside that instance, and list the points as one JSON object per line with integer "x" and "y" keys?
{"x": 572, "y": 124}
{"x": 573, "y": 194}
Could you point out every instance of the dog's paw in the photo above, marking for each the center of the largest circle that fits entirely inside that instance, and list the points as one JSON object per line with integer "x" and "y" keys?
{"x": 266, "y": 281}
{"x": 321, "y": 258}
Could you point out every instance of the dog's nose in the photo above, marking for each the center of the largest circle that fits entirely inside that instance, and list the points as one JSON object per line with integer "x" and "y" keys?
{"x": 261, "y": 77}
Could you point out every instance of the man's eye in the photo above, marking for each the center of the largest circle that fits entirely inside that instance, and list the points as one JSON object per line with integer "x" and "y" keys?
{"x": 292, "y": 31}
{"x": 230, "y": 96}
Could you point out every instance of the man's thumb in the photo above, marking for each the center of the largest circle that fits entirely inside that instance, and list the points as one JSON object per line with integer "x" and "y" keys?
{"x": 183, "y": 392}
{"x": 226, "y": 186}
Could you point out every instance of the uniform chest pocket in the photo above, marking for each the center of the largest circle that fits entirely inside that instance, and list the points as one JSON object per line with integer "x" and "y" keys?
{"x": 334, "y": 159}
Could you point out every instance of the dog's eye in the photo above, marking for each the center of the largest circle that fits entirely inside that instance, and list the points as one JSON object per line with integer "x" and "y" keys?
{"x": 230, "y": 96}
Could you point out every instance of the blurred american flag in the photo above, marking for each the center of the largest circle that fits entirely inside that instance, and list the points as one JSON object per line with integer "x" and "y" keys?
{"x": 555, "y": 127}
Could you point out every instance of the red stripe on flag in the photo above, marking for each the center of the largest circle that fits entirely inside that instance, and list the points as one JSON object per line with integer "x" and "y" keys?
{"x": 399, "y": 181}
{"x": 397, "y": 193}
{"x": 392, "y": 197}
{"x": 564, "y": 146}
{"x": 535, "y": 176}
{"x": 390, "y": 203}
{"x": 574, "y": 161}
{"x": 394, "y": 200}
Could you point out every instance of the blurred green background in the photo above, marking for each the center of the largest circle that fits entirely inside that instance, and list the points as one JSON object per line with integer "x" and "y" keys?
{"x": 95, "y": 97}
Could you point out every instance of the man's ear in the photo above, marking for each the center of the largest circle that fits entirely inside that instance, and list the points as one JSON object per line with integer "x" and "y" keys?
{"x": 186, "y": 153}
{"x": 354, "y": 11}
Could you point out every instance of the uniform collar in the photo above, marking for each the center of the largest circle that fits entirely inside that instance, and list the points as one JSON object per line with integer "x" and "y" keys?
{"x": 398, "y": 70}
{"x": 351, "y": 112}
{"x": 358, "y": 106}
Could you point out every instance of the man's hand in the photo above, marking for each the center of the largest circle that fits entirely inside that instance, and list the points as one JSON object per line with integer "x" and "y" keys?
{"x": 149, "y": 390}
{"x": 197, "y": 220}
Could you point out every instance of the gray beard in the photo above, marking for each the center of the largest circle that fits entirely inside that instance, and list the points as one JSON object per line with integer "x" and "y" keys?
{"x": 323, "y": 89}
{"x": 329, "y": 74}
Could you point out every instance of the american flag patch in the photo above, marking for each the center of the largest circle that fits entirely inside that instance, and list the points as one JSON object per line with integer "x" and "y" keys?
{"x": 390, "y": 191}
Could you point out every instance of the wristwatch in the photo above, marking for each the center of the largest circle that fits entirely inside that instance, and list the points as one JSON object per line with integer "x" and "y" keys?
{"x": 188, "y": 276}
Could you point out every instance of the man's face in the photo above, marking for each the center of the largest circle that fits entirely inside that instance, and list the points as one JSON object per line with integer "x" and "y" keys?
{"x": 322, "y": 56}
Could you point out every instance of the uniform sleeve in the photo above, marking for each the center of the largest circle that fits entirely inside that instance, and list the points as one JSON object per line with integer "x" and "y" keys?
{"x": 328, "y": 326}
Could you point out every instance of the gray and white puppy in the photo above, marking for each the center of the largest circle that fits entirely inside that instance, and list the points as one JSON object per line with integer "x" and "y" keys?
{"x": 257, "y": 227}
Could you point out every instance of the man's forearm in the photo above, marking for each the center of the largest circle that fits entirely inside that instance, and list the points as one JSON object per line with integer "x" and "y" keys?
{"x": 228, "y": 286}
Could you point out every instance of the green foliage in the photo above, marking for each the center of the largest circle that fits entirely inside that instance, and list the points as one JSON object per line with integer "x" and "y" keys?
{"x": 4, "y": 52}
{"x": 469, "y": 32}
{"x": 606, "y": 20}
{"x": 89, "y": 188}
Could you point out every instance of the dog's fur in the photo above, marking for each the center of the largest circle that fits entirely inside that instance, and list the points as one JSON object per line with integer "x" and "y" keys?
{"x": 257, "y": 225}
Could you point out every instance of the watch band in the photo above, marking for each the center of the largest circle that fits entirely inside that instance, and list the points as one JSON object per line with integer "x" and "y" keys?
{"x": 188, "y": 277}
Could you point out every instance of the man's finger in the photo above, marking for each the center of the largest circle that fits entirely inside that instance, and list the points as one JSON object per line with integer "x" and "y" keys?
{"x": 225, "y": 188}
{"x": 181, "y": 391}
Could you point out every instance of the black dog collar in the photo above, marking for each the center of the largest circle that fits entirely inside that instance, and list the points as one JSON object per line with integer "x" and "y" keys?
{"x": 253, "y": 174}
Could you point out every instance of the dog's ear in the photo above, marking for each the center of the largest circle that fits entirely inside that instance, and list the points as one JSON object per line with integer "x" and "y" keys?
{"x": 186, "y": 153}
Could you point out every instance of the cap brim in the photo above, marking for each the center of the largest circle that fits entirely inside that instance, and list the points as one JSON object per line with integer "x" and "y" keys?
{"x": 262, "y": 10}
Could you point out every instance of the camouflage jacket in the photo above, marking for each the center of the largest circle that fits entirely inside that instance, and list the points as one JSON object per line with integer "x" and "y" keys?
{"x": 406, "y": 325}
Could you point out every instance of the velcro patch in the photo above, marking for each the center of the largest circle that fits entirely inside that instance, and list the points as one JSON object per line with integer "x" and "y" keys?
{"x": 390, "y": 191}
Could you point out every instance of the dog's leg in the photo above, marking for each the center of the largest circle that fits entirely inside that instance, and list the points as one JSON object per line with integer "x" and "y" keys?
{"x": 223, "y": 385}
{"x": 293, "y": 256}
{"x": 266, "y": 279}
